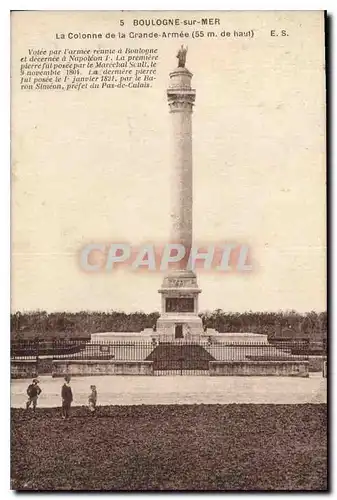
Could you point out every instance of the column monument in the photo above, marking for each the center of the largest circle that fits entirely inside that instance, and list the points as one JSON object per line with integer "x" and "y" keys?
{"x": 179, "y": 292}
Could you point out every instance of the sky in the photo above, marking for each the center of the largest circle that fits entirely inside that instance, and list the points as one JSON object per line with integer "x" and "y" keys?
{"x": 95, "y": 165}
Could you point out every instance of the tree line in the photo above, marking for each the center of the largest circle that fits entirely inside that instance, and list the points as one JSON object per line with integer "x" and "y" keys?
{"x": 84, "y": 323}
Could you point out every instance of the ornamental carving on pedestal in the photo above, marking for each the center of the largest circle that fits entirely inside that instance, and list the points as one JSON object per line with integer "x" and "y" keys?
{"x": 180, "y": 283}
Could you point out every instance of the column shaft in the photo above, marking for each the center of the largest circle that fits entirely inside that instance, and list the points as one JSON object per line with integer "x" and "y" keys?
{"x": 181, "y": 178}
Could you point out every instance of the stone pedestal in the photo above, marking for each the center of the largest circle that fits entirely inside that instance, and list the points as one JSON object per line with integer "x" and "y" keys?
{"x": 179, "y": 318}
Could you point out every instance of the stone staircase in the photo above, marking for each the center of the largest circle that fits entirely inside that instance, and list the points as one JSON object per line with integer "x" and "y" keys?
{"x": 175, "y": 356}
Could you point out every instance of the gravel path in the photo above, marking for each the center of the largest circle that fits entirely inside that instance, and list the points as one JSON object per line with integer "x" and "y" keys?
{"x": 163, "y": 390}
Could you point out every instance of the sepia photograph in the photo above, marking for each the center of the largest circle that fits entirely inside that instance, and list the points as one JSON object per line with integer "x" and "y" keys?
{"x": 168, "y": 251}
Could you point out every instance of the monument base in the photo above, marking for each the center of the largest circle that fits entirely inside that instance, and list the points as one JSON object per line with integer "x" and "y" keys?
{"x": 179, "y": 319}
{"x": 178, "y": 327}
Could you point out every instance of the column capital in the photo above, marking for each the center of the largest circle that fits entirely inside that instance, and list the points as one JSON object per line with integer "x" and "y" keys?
{"x": 180, "y": 99}
{"x": 180, "y": 95}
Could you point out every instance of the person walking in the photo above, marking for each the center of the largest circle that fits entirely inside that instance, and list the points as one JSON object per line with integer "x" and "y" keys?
{"x": 92, "y": 399}
{"x": 67, "y": 397}
{"x": 33, "y": 392}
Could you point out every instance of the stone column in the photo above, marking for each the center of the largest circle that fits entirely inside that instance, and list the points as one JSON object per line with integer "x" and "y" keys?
{"x": 180, "y": 288}
{"x": 181, "y": 97}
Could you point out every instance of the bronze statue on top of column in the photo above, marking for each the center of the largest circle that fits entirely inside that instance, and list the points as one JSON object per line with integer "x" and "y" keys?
{"x": 182, "y": 57}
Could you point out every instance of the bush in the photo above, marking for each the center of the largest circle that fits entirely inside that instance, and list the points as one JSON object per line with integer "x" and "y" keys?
{"x": 83, "y": 324}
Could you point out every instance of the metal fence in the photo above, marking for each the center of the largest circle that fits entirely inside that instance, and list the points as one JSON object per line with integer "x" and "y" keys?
{"x": 30, "y": 349}
{"x": 162, "y": 353}
{"x": 179, "y": 357}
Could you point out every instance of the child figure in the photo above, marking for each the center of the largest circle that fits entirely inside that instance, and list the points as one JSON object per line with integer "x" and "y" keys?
{"x": 92, "y": 399}
{"x": 33, "y": 393}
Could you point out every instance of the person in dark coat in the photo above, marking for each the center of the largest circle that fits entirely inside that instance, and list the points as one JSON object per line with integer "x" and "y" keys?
{"x": 67, "y": 397}
{"x": 33, "y": 393}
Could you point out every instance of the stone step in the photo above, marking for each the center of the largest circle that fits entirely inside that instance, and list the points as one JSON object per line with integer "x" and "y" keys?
{"x": 171, "y": 356}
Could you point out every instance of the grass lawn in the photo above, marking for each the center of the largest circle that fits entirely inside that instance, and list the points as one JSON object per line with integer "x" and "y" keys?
{"x": 176, "y": 447}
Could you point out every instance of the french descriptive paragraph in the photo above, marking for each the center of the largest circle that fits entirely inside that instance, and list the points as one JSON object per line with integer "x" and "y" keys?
{"x": 66, "y": 69}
